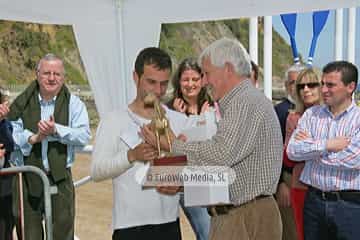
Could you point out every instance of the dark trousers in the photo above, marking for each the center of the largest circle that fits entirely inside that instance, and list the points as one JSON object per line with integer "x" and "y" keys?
{"x": 6, "y": 218}
{"x": 331, "y": 219}
{"x": 63, "y": 211}
{"x": 165, "y": 231}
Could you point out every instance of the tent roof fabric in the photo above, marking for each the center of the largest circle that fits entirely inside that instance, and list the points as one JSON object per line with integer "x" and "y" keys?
{"x": 111, "y": 32}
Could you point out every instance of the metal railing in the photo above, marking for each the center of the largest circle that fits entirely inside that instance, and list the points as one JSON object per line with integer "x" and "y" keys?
{"x": 48, "y": 190}
{"x": 85, "y": 150}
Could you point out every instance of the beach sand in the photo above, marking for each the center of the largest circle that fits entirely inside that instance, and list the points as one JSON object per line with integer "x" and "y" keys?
{"x": 94, "y": 204}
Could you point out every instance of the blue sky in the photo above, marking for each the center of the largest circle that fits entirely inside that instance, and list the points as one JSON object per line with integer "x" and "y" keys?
{"x": 324, "y": 51}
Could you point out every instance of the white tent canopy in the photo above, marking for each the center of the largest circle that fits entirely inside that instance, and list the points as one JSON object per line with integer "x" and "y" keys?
{"x": 110, "y": 33}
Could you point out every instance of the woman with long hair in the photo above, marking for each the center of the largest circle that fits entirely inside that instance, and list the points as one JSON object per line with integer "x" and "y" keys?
{"x": 308, "y": 94}
{"x": 191, "y": 98}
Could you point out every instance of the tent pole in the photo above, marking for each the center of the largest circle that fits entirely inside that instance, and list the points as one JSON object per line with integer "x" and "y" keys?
{"x": 351, "y": 35}
{"x": 123, "y": 71}
{"x": 268, "y": 56}
{"x": 339, "y": 34}
{"x": 253, "y": 39}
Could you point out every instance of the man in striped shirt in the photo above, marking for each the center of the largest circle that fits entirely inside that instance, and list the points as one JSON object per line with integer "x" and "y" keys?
{"x": 328, "y": 140}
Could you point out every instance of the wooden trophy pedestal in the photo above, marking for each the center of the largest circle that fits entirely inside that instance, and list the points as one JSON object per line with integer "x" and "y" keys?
{"x": 163, "y": 167}
{"x": 179, "y": 160}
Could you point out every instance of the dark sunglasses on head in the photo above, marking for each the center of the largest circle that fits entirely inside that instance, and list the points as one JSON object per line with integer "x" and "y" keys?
{"x": 301, "y": 86}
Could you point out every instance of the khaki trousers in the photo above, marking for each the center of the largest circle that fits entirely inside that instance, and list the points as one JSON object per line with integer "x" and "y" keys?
{"x": 256, "y": 220}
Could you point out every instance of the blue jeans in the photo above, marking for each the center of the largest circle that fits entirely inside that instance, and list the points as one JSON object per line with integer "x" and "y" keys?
{"x": 331, "y": 219}
{"x": 199, "y": 219}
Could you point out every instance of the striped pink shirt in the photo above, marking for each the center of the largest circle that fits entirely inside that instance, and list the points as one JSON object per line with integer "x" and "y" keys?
{"x": 325, "y": 170}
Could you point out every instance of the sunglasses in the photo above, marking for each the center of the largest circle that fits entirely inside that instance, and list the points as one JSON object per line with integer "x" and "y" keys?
{"x": 301, "y": 86}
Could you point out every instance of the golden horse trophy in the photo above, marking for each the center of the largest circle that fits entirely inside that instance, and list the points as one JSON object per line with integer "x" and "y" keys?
{"x": 161, "y": 127}
{"x": 159, "y": 123}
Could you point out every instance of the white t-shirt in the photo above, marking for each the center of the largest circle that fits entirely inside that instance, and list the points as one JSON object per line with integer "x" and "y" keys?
{"x": 133, "y": 205}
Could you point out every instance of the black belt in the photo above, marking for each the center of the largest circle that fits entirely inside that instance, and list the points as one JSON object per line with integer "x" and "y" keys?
{"x": 346, "y": 195}
{"x": 225, "y": 209}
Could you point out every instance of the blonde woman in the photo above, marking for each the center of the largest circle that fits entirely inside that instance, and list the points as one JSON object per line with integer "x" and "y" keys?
{"x": 308, "y": 94}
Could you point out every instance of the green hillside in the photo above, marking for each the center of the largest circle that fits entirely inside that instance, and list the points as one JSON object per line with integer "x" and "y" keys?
{"x": 183, "y": 40}
{"x": 23, "y": 44}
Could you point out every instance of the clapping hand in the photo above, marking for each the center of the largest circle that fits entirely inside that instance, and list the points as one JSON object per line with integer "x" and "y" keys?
{"x": 2, "y": 155}
{"x": 179, "y": 105}
{"x": 205, "y": 107}
{"x": 47, "y": 127}
{"x": 2, "y": 150}
{"x": 4, "y": 110}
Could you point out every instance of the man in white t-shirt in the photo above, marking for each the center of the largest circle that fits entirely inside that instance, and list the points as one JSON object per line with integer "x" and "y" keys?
{"x": 138, "y": 213}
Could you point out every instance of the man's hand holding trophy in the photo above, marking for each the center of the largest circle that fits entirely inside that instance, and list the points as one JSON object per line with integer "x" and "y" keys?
{"x": 159, "y": 134}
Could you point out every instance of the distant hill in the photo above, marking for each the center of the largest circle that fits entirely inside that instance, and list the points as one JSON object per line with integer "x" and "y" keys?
{"x": 183, "y": 40}
{"x": 23, "y": 44}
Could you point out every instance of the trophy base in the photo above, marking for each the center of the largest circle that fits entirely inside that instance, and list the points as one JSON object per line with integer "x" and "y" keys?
{"x": 163, "y": 167}
{"x": 179, "y": 160}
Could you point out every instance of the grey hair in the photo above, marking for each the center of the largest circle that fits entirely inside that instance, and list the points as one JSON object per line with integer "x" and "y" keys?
{"x": 228, "y": 50}
{"x": 294, "y": 68}
{"x": 49, "y": 57}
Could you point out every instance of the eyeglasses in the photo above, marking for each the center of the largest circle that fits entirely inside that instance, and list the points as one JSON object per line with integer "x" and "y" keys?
{"x": 301, "y": 86}
{"x": 49, "y": 73}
